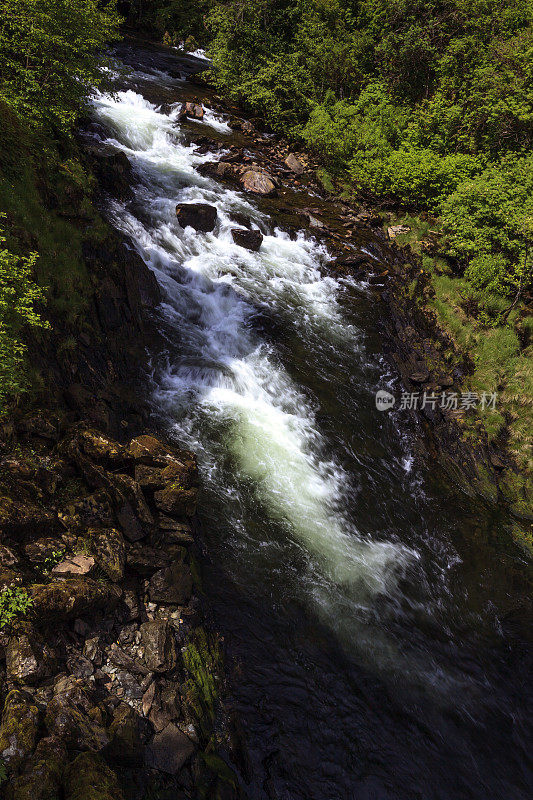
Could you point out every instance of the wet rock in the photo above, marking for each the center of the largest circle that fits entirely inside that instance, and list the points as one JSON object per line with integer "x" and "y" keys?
{"x": 9, "y": 578}
{"x": 159, "y": 646}
{"x": 149, "y": 477}
{"x": 172, "y": 585}
{"x": 41, "y": 779}
{"x": 74, "y": 566}
{"x": 175, "y": 532}
{"x": 294, "y": 164}
{"x": 68, "y": 598}
{"x": 258, "y": 183}
{"x": 200, "y": 216}
{"x": 169, "y": 750}
{"x": 27, "y": 658}
{"x": 124, "y": 737}
{"x": 109, "y": 551}
{"x": 148, "y": 698}
{"x": 113, "y": 171}
{"x": 90, "y": 778}
{"x": 146, "y": 560}
{"x": 192, "y": 110}
{"x": 247, "y": 127}
{"x": 70, "y": 716}
{"x": 251, "y": 240}
{"x": 18, "y": 730}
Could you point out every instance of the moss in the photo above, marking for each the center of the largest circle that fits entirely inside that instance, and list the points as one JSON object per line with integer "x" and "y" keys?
{"x": 202, "y": 659}
{"x": 90, "y": 778}
{"x": 18, "y": 731}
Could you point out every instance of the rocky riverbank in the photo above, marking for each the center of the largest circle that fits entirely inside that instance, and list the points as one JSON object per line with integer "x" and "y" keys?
{"x": 109, "y": 678}
{"x": 420, "y": 351}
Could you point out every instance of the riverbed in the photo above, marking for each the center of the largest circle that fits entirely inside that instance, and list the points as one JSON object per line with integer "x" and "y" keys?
{"x": 373, "y": 617}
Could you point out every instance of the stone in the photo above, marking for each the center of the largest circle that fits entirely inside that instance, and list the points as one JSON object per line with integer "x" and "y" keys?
{"x": 117, "y": 656}
{"x": 258, "y": 183}
{"x": 25, "y": 518}
{"x": 8, "y": 558}
{"x": 94, "y": 510}
{"x": 99, "y": 448}
{"x": 200, "y": 216}
{"x": 247, "y": 127}
{"x": 70, "y": 716}
{"x": 113, "y": 170}
{"x": 74, "y": 566}
{"x": 177, "y": 501}
{"x": 169, "y": 750}
{"x": 25, "y": 662}
{"x": 148, "y": 699}
{"x": 250, "y": 240}
{"x": 146, "y": 560}
{"x": 18, "y": 730}
{"x": 172, "y": 585}
{"x": 109, "y": 550}
{"x": 88, "y": 777}
{"x": 41, "y": 779}
{"x": 192, "y": 110}
{"x": 397, "y": 230}
{"x": 70, "y": 597}
{"x": 92, "y": 650}
{"x": 132, "y": 605}
{"x": 131, "y": 527}
{"x": 149, "y": 477}
{"x": 159, "y": 646}
{"x": 124, "y": 737}
{"x": 294, "y": 164}
{"x": 79, "y": 666}
{"x": 42, "y": 549}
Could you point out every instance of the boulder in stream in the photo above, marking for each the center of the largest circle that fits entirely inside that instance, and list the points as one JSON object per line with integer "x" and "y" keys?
{"x": 258, "y": 182}
{"x": 251, "y": 240}
{"x": 200, "y": 216}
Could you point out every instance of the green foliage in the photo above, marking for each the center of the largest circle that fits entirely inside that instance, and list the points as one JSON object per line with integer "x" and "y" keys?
{"x": 202, "y": 660}
{"x": 52, "y": 559}
{"x": 14, "y": 604}
{"x": 18, "y": 295}
{"x": 49, "y": 56}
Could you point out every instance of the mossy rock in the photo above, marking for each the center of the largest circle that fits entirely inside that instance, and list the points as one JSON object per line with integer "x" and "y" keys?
{"x": 18, "y": 731}
{"x": 90, "y": 778}
{"x": 67, "y": 599}
{"x": 42, "y": 776}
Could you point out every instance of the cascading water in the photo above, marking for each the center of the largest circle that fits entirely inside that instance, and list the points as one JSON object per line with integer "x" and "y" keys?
{"x": 318, "y": 519}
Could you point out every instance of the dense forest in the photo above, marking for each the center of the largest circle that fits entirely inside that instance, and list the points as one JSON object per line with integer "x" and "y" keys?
{"x": 429, "y": 104}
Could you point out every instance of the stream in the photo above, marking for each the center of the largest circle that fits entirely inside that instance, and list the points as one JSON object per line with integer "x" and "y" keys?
{"x": 373, "y": 617}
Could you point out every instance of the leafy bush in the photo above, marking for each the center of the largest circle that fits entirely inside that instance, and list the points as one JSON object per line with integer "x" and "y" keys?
{"x": 49, "y": 56}
{"x": 18, "y": 296}
{"x": 14, "y": 604}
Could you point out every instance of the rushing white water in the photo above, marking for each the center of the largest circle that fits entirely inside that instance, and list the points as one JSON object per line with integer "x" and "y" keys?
{"x": 212, "y": 288}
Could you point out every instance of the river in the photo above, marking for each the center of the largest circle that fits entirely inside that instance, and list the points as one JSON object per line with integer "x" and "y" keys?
{"x": 373, "y": 619}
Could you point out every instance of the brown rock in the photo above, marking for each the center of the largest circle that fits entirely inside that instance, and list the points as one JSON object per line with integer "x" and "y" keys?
{"x": 25, "y": 659}
{"x": 177, "y": 501}
{"x": 200, "y": 216}
{"x": 41, "y": 779}
{"x": 40, "y": 550}
{"x": 99, "y": 448}
{"x": 68, "y": 598}
{"x": 294, "y": 164}
{"x": 159, "y": 646}
{"x": 258, "y": 183}
{"x": 8, "y": 558}
{"x": 90, "y": 778}
{"x": 18, "y": 731}
{"x": 146, "y": 560}
{"x": 172, "y": 585}
{"x": 125, "y": 741}
{"x": 74, "y": 566}
{"x": 169, "y": 750}
{"x": 70, "y": 716}
{"x": 109, "y": 551}
{"x": 250, "y": 240}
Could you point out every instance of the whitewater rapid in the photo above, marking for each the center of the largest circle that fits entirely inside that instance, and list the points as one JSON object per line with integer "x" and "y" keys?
{"x": 230, "y": 379}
